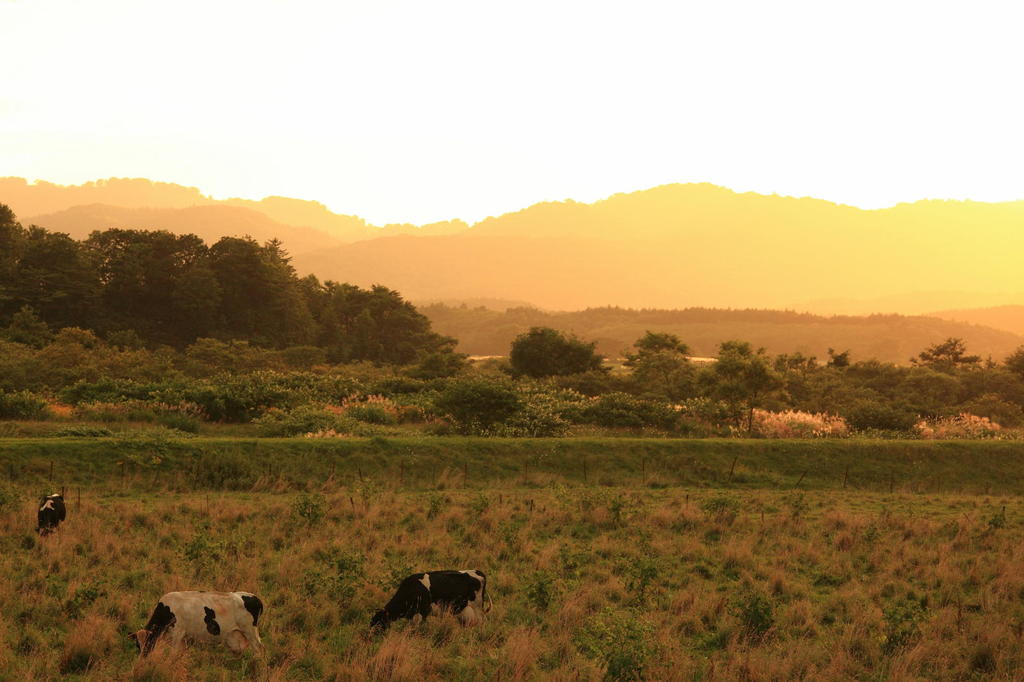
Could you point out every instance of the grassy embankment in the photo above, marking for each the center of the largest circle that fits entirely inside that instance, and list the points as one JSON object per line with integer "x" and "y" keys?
{"x": 431, "y": 462}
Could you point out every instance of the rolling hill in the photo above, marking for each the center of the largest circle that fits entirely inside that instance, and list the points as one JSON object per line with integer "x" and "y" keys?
{"x": 1006, "y": 317}
{"x": 672, "y": 246}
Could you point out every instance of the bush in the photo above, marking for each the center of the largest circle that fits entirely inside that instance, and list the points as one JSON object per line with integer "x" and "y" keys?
{"x": 338, "y": 574}
{"x": 621, "y": 410}
{"x": 223, "y": 471}
{"x": 276, "y": 423}
{"x": 1004, "y": 413}
{"x": 9, "y": 496}
{"x": 311, "y": 508}
{"x": 105, "y": 390}
{"x": 532, "y": 423}
{"x": 372, "y": 409}
{"x": 621, "y": 640}
{"x": 475, "y": 405}
{"x": 796, "y": 424}
{"x": 961, "y": 426}
{"x": 179, "y": 421}
{"x": 879, "y": 416}
{"x": 754, "y": 613}
{"x": 22, "y": 405}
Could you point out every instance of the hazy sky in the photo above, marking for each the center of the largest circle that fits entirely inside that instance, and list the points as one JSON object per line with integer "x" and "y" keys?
{"x": 420, "y": 111}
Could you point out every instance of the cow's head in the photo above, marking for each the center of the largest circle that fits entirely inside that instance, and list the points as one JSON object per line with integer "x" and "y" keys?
{"x": 141, "y": 639}
{"x": 380, "y": 621}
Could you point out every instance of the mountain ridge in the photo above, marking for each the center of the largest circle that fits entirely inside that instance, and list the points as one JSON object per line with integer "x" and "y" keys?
{"x": 671, "y": 246}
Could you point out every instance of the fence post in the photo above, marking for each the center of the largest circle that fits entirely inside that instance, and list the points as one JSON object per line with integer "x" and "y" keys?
{"x": 846, "y": 476}
{"x": 732, "y": 468}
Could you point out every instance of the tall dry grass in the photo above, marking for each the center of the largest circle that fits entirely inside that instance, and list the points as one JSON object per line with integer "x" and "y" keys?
{"x": 698, "y": 584}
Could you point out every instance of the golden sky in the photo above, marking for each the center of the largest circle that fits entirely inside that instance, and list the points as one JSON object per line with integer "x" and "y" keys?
{"x": 420, "y": 111}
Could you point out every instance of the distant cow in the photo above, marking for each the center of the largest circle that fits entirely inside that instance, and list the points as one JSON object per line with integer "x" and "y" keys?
{"x": 51, "y": 513}
{"x": 228, "y": 617}
{"x": 463, "y": 592}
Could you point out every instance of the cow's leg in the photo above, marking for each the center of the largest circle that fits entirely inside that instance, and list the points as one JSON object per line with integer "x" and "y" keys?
{"x": 424, "y": 607}
{"x": 470, "y": 615}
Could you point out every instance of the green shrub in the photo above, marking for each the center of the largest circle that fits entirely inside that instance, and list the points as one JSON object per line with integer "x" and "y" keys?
{"x": 621, "y": 640}
{"x": 437, "y": 504}
{"x": 82, "y": 598}
{"x": 754, "y": 613}
{"x": 223, "y": 471}
{"x": 541, "y": 590}
{"x": 22, "y": 405}
{"x": 338, "y": 573}
{"x": 901, "y": 622}
{"x": 721, "y": 508}
{"x": 203, "y": 552}
{"x": 880, "y": 416}
{"x": 115, "y": 412}
{"x": 179, "y": 421}
{"x": 276, "y": 423}
{"x": 311, "y": 508}
{"x": 372, "y": 414}
{"x": 9, "y": 496}
{"x": 105, "y": 390}
{"x": 621, "y": 410}
{"x": 640, "y": 573}
{"x": 475, "y": 405}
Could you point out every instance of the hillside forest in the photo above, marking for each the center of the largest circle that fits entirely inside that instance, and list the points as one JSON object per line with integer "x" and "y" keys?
{"x": 129, "y": 326}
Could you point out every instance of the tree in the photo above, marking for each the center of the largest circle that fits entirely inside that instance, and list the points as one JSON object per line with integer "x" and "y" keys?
{"x": 741, "y": 377}
{"x": 1015, "y": 363}
{"x": 374, "y": 324}
{"x": 657, "y": 342}
{"x": 948, "y": 355}
{"x": 839, "y": 360}
{"x": 660, "y": 365}
{"x": 262, "y": 299}
{"x": 157, "y": 284}
{"x": 27, "y": 328}
{"x": 54, "y": 275}
{"x": 545, "y": 352}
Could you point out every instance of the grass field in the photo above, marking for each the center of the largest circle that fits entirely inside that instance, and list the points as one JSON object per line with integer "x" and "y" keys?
{"x": 651, "y": 560}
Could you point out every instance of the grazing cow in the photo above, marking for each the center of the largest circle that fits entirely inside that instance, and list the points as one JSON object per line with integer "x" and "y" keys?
{"x": 228, "y": 617}
{"x": 51, "y": 513}
{"x": 463, "y": 592}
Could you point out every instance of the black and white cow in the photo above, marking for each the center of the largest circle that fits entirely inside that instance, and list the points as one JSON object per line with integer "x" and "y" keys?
{"x": 463, "y": 592}
{"x": 51, "y": 512}
{"x": 228, "y": 617}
